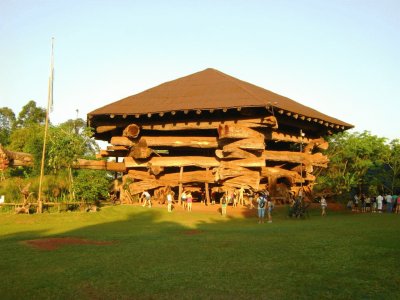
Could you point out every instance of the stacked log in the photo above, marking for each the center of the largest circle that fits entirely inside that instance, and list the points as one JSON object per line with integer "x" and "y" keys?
{"x": 14, "y": 159}
{"x": 238, "y": 156}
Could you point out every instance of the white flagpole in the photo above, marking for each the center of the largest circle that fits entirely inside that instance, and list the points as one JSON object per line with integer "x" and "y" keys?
{"x": 46, "y": 126}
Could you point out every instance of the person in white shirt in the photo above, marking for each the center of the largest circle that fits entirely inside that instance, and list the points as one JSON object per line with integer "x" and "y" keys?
{"x": 324, "y": 204}
{"x": 147, "y": 199}
{"x": 169, "y": 201}
{"x": 379, "y": 201}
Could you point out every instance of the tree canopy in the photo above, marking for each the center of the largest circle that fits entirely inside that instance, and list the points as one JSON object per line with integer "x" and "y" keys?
{"x": 360, "y": 163}
{"x": 7, "y": 123}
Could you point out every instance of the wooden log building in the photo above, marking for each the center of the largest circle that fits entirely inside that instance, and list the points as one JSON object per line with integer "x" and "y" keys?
{"x": 211, "y": 131}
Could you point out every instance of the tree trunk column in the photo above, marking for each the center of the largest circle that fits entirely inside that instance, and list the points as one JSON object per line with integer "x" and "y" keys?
{"x": 180, "y": 186}
{"x": 207, "y": 202}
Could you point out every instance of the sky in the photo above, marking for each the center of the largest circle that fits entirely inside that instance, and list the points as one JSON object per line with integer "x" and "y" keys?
{"x": 341, "y": 57}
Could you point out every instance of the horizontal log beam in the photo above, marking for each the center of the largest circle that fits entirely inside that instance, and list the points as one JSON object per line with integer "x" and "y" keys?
{"x": 245, "y": 144}
{"x": 99, "y": 165}
{"x": 180, "y": 161}
{"x": 236, "y": 153}
{"x": 14, "y": 159}
{"x": 224, "y": 172}
{"x": 235, "y": 131}
{"x": 247, "y": 182}
{"x": 181, "y": 141}
{"x": 278, "y": 172}
{"x": 269, "y": 121}
{"x": 169, "y": 141}
{"x": 309, "y": 143}
{"x": 317, "y": 159}
{"x": 105, "y": 128}
{"x": 107, "y": 153}
{"x": 199, "y": 161}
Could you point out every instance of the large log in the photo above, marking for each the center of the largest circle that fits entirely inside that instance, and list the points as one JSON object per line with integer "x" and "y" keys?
{"x": 105, "y": 128}
{"x": 122, "y": 141}
{"x": 247, "y": 182}
{"x": 199, "y": 161}
{"x": 278, "y": 172}
{"x": 14, "y": 159}
{"x": 172, "y": 179}
{"x": 223, "y": 173}
{"x": 193, "y": 176}
{"x": 246, "y": 144}
{"x": 246, "y": 162}
{"x": 235, "y": 131}
{"x": 181, "y": 141}
{"x": 139, "y": 175}
{"x": 131, "y": 131}
{"x": 237, "y": 153}
{"x": 317, "y": 159}
{"x": 309, "y": 143}
{"x": 108, "y": 153}
{"x": 99, "y": 165}
{"x": 140, "y": 150}
{"x": 169, "y": 141}
{"x": 316, "y": 143}
{"x": 172, "y": 161}
{"x": 269, "y": 121}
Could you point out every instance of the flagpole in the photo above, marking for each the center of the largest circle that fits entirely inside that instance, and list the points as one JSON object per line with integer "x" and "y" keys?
{"x": 46, "y": 126}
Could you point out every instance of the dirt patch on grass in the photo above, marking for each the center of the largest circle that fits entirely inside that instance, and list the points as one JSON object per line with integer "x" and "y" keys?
{"x": 192, "y": 232}
{"x": 55, "y": 243}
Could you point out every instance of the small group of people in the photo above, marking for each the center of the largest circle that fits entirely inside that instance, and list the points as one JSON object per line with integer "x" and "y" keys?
{"x": 374, "y": 204}
{"x": 187, "y": 200}
{"x": 232, "y": 196}
{"x": 264, "y": 203}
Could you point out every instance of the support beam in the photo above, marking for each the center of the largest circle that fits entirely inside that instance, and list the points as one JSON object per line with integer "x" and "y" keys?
{"x": 199, "y": 161}
{"x": 99, "y": 165}
{"x": 102, "y": 129}
{"x": 169, "y": 141}
{"x": 14, "y": 159}
{"x": 234, "y": 131}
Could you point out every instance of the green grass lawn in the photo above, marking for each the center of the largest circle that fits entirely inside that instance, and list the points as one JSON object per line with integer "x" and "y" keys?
{"x": 200, "y": 256}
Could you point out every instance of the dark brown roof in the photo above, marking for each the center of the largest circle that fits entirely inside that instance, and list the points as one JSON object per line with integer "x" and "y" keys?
{"x": 208, "y": 89}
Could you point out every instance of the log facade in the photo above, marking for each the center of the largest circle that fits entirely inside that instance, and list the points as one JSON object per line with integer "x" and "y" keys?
{"x": 210, "y": 131}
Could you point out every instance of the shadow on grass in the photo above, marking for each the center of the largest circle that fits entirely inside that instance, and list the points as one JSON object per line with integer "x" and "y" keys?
{"x": 156, "y": 254}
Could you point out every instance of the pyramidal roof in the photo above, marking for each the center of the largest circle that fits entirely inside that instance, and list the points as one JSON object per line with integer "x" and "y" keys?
{"x": 207, "y": 89}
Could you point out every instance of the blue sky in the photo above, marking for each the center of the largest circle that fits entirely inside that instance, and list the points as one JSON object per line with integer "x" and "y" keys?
{"x": 339, "y": 57}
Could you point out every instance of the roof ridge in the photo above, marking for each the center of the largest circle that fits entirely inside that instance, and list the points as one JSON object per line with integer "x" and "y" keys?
{"x": 236, "y": 81}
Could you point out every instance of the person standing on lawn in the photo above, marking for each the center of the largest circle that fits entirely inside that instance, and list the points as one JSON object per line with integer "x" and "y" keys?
{"x": 261, "y": 203}
{"x": 224, "y": 204}
{"x": 379, "y": 202}
{"x": 388, "y": 199}
{"x": 169, "y": 201}
{"x": 324, "y": 205}
{"x": 394, "y": 202}
{"x": 189, "y": 201}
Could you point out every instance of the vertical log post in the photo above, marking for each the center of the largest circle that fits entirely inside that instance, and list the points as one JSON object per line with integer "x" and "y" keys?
{"x": 180, "y": 186}
{"x": 207, "y": 202}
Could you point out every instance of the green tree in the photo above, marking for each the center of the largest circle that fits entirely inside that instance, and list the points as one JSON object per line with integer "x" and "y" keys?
{"x": 31, "y": 114}
{"x": 7, "y": 123}
{"x": 68, "y": 142}
{"x": 391, "y": 158}
{"x": 30, "y": 140}
{"x": 352, "y": 156}
{"x": 91, "y": 185}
